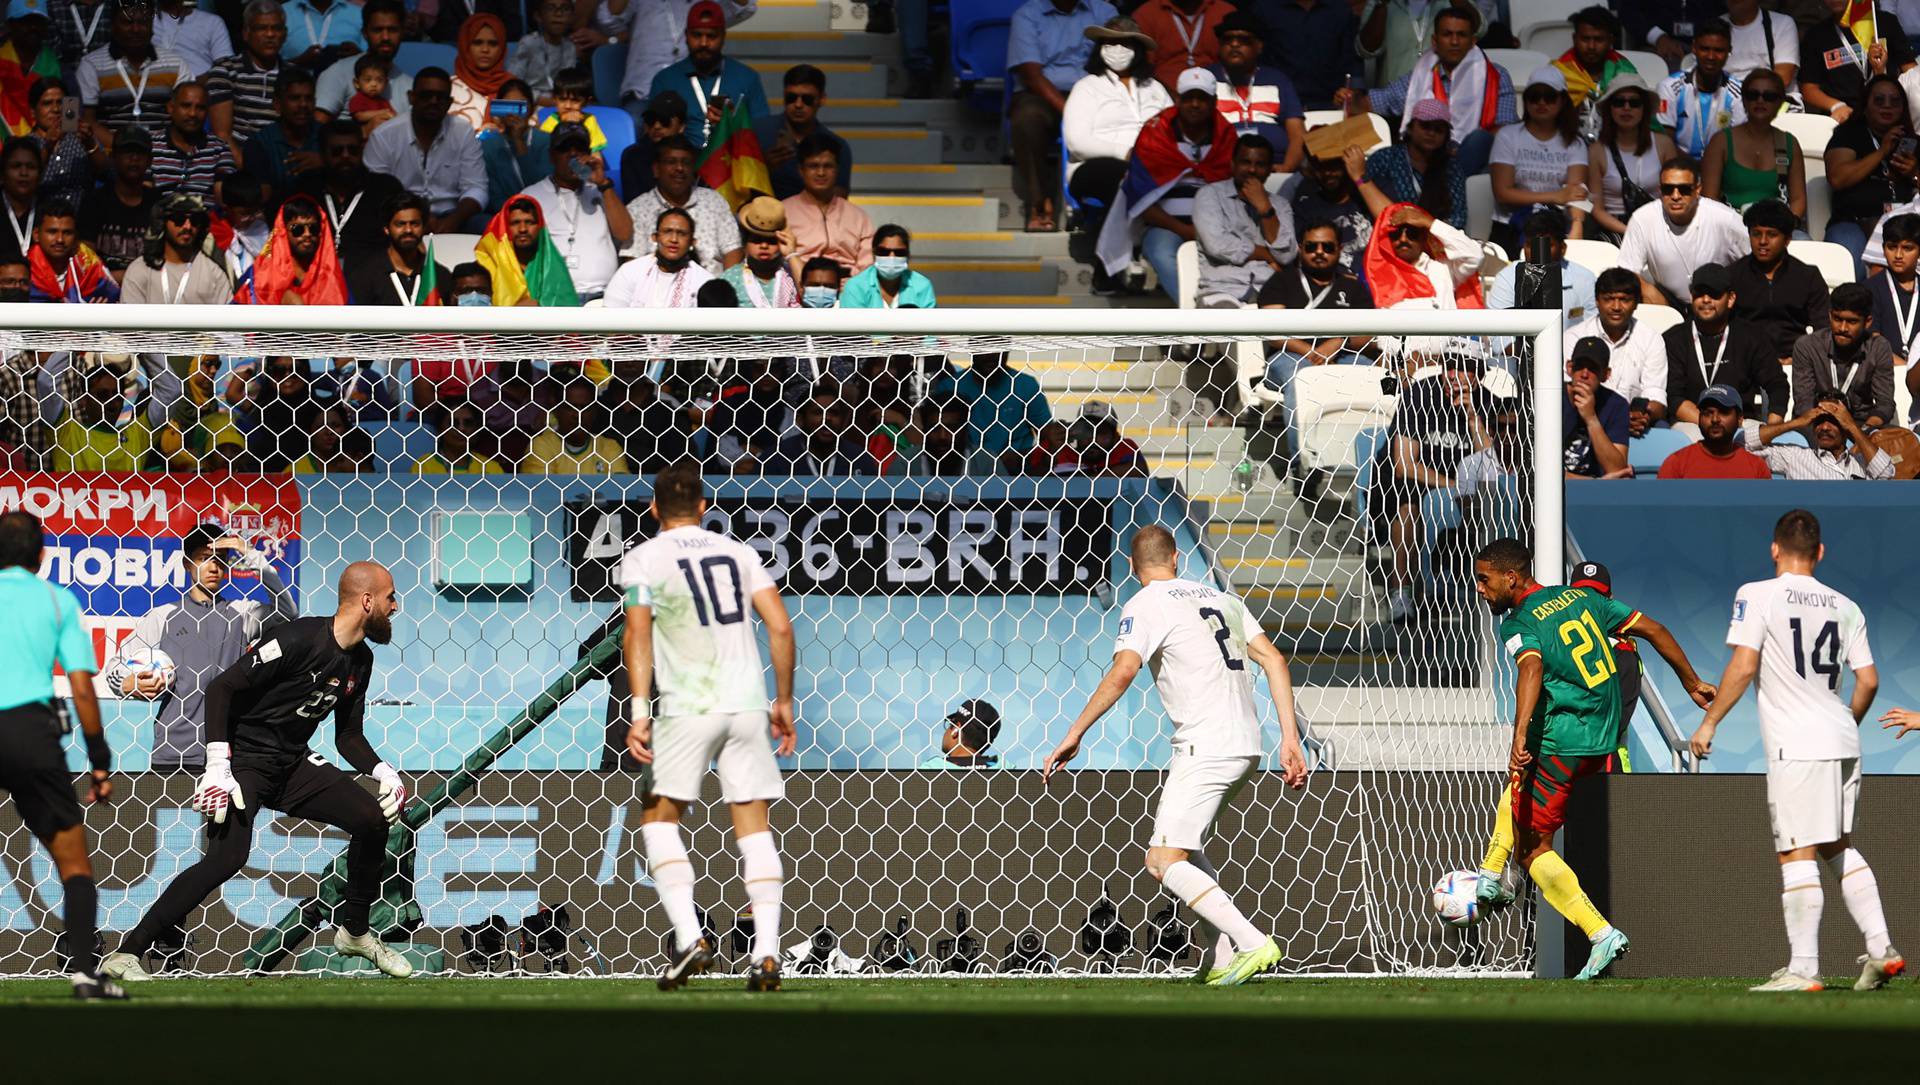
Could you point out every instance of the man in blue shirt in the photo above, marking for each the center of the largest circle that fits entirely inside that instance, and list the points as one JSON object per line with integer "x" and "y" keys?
{"x": 1047, "y": 48}
{"x": 43, "y": 628}
{"x": 1594, "y": 420}
{"x": 1311, "y": 41}
{"x": 1005, "y": 410}
{"x": 706, "y": 80}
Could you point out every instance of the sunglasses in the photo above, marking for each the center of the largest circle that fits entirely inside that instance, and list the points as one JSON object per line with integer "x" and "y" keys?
{"x": 890, "y": 252}
{"x": 803, "y": 99}
{"x": 1886, "y": 99}
{"x": 1628, "y": 101}
{"x": 1676, "y": 190}
{"x": 1319, "y": 246}
{"x": 303, "y": 229}
{"x": 1541, "y": 96}
{"x": 1411, "y": 233}
{"x": 180, "y": 218}
{"x": 1763, "y": 96}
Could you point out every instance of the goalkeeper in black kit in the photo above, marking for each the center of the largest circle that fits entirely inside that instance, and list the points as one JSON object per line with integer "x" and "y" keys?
{"x": 260, "y": 714}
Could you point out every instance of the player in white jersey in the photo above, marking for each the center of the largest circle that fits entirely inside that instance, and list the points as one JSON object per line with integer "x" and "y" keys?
{"x": 1197, "y": 640}
{"x": 688, "y": 593}
{"x": 1795, "y": 635}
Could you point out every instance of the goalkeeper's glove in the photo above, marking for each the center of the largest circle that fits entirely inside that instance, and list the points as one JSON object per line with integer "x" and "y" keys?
{"x": 393, "y": 791}
{"x": 218, "y": 789}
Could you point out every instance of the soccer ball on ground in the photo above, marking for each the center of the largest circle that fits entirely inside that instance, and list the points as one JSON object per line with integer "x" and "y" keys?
{"x": 1454, "y": 899}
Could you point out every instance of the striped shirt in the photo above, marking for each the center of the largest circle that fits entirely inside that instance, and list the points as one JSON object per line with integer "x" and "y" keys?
{"x": 121, "y": 92}
{"x": 195, "y": 171}
{"x": 235, "y": 79}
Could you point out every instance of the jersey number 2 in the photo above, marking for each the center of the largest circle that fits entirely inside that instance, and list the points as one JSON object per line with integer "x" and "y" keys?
{"x": 1827, "y": 641}
{"x": 709, "y": 602}
{"x": 1224, "y": 637}
{"x": 1601, "y": 667}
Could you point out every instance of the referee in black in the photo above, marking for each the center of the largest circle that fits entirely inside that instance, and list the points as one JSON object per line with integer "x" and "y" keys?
{"x": 260, "y": 714}
{"x": 42, "y": 626}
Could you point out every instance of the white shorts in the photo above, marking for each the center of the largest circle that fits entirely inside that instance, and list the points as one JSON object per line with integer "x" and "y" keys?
{"x": 1196, "y": 788}
{"x": 738, "y": 743}
{"x": 1811, "y": 802}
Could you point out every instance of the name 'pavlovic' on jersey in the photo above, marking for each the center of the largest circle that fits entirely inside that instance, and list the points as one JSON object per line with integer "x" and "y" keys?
{"x": 1807, "y": 635}
{"x": 700, "y": 587}
{"x": 1194, "y": 639}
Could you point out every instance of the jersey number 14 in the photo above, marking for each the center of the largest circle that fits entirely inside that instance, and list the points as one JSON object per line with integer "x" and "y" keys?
{"x": 1827, "y": 640}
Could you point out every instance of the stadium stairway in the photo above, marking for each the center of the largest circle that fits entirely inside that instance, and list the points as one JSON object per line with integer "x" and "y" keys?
{"x": 933, "y": 166}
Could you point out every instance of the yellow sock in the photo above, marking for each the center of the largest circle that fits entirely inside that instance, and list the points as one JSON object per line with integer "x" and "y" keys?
{"x": 1500, "y": 846}
{"x": 1561, "y": 886}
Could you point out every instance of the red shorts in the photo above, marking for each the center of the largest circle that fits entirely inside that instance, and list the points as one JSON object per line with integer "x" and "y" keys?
{"x": 1540, "y": 793}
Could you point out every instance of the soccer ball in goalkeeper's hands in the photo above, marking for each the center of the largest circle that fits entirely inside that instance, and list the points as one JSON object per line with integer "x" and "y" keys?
{"x": 154, "y": 662}
{"x": 1454, "y": 899}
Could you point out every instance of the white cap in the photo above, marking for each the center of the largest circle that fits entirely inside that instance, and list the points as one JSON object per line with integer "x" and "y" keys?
{"x": 1547, "y": 75}
{"x": 1198, "y": 79}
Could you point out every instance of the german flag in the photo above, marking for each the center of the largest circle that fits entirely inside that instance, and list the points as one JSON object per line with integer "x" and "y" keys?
{"x": 733, "y": 164}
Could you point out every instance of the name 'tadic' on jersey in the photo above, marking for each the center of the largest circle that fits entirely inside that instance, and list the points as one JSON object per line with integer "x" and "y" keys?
{"x": 1807, "y": 635}
{"x": 700, "y": 586}
{"x": 1194, "y": 640}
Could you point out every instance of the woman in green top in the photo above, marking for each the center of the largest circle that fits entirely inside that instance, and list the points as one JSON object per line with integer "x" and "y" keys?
{"x": 1755, "y": 161}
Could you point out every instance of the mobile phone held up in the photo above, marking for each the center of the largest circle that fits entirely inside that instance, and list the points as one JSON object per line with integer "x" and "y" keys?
{"x": 508, "y": 108}
{"x": 70, "y": 114}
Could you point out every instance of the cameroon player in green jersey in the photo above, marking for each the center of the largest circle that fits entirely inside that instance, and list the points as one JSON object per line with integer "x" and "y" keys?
{"x": 1567, "y": 717}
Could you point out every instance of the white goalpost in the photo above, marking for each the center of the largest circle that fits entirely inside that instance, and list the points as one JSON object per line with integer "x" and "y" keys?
{"x": 944, "y": 533}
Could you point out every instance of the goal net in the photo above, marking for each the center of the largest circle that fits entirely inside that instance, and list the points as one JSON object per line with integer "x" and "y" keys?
{"x": 945, "y": 497}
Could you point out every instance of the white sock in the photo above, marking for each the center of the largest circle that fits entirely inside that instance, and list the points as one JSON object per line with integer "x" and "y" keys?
{"x": 760, "y": 870}
{"x": 1861, "y": 890}
{"x": 672, "y": 879}
{"x": 1201, "y": 893}
{"x": 1802, "y": 899}
{"x": 1211, "y": 938}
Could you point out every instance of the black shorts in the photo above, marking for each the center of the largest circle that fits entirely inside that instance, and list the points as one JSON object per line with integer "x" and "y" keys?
{"x": 33, "y": 768}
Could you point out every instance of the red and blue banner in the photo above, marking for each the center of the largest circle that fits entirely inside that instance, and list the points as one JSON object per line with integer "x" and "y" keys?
{"x": 115, "y": 538}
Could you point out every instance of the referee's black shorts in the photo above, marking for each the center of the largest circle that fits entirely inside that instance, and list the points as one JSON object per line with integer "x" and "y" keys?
{"x": 33, "y": 768}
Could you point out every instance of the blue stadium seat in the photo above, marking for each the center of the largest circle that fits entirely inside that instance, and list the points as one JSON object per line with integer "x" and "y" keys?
{"x": 1366, "y": 451}
{"x": 415, "y": 55}
{"x": 1792, "y": 437}
{"x": 980, "y": 32}
{"x": 397, "y": 444}
{"x": 609, "y": 69}
{"x": 1645, "y": 454}
{"x": 617, "y": 124}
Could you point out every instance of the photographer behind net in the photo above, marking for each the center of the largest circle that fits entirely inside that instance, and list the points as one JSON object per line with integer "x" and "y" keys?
{"x": 177, "y": 649}
{"x": 971, "y": 728}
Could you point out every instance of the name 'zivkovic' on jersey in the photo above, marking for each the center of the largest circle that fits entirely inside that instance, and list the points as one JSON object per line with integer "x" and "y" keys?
{"x": 700, "y": 586}
{"x": 1194, "y": 639}
{"x": 1807, "y": 635}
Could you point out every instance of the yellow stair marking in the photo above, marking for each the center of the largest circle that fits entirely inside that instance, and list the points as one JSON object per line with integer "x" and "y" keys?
{"x": 1014, "y": 301}
{"x": 1138, "y": 431}
{"x": 1266, "y": 563}
{"x": 920, "y": 201}
{"x": 964, "y": 235}
{"x": 1241, "y": 529}
{"x": 979, "y": 265}
{"x": 1178, "y": 463}
{"x": 1109, "y": 397}
{"x": 1293, "y": 593}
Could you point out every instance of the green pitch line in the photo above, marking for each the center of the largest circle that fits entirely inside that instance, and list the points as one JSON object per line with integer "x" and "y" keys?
{"x": 466, "y": 1030}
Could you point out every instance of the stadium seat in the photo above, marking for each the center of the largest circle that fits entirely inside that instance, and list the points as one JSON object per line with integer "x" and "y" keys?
{"x": 1250, "y": 371}
{"x": 1659, "y": 317}
{"x": 1595, "y": 256}
{"x": 1819, "y": 205}
{"x": 452, "y": 250}
{"x": 1550, "y": 38}
{"x": 609, "y": 71}
{"x": 1479, "y": 205}
{"x": 1366, "y": 453}
{"x": 1812, "y": 130}
{"x": 397, "y": 444}
{"x": 617, "y": 125}
{"x": 1520, "y": 63}
{"x": 1646, "y": 454}
{"x": 1335, "y": 403}
{"x": 1651, "y": 66}
{"x": 1834, "y": 262}
{"x": 1187, "y": 263}
{"x": 1792, "y": 437}
{"x": 415, "y": 55}
{"x": 979, "y": 36}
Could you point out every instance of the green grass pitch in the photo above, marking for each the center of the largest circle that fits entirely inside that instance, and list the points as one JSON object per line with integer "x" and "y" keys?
{"x": 460, "y": 1030}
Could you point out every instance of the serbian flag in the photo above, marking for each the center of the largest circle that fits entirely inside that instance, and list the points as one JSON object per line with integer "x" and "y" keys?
{"x": 1157, "y": 165}
{"x": 276, "y": 272}
{"x": 545, "y": 278}
{"x": 84, "y": 279}
{"x": 733, "y": 164}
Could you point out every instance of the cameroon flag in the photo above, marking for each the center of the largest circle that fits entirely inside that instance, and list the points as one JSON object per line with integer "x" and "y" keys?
{"x": 1862, "y": 20}
{"x": 545, "y": 278}
{"x": 733, "y": 164}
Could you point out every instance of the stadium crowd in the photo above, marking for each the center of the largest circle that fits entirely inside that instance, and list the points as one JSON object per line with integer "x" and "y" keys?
{"x": 273, "y": 153}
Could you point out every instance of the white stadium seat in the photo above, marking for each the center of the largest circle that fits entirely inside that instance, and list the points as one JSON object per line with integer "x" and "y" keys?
{"x": 1335, "y": 403}
{"x": 1595, "y": 256}
{"x": 1834, "y": 262}
{"x": 1811, "y": 129}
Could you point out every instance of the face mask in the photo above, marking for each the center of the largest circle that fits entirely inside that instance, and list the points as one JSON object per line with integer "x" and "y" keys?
{"x": 890, "y": 267}
{"x": 820, "y": 297}
{"x": 12, "y": 294}
{"x": 1117, "y": 58}
{"x": 474, "y": 298}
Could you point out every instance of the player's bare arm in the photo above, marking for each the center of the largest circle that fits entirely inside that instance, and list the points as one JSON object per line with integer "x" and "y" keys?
{"x": 1866, "y": 686}
{"x": 1113, "y": 685}
{"x": 1293, "y": 758}
{"x": 1526, "y": 702}
{"x": 636, "y": 646}
{"x": 86, "y": 703}
{"x": 1906, "y": 719}
{"x": 1733, "y": 684}
{"x": 1663, "y": 641}
{"x": 780, "y": 644}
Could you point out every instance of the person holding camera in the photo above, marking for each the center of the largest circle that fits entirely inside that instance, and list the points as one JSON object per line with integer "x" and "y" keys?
{"x": 971, "y": 728}
{"x": 588, "y": 227}
{"x": 202, "y": 635}
{"x": 1871, "y": 163}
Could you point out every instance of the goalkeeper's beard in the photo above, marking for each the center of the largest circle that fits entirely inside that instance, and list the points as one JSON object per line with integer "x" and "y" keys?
{"x": 379, "y": 628}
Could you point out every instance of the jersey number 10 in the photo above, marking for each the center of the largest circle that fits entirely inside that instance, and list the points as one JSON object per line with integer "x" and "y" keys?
{"x": 1593, "y": 643}
{"x": 709, "y": 602}
{"x": 1828, "y": 641}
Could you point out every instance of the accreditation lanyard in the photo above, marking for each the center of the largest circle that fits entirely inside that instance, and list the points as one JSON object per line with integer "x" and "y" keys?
{"x": 1700, "y": 356}
{"x": 1313, "y": 299}
{"x": 326, "y": 24}
{"x": 400, "y": 289}
{"x": 340, "y": 217}
{"x": 170, "y": 296}
{"x": 24, "y": 237}
{"x": 139, "y": 91}
{"x": 700, "y": 93}
{"x": 87, "y": 29}
{"x": 1853, "y": 373}
{"x": 1190, "y": 34}
{"x": 1904, "y": 316}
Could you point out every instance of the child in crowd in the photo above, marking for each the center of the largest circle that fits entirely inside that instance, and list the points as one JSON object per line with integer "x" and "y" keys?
{"x": 549, "y": 50}
{"x": 370, "y": 107}
{"x": 572, "y": 90}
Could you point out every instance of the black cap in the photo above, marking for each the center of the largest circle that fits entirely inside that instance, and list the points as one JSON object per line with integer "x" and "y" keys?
{"x": 1712, "y": 280}
{"x": 1593, "y": 350}
{"x": 1592, "y": 574}
{"x": 977, "y": 718}
{"x": 1240, "y": 22}
{"x": 665, "y": 106}
{"x": 202, "y": 536}
{"x": 569, "y": 135}
{"x": 132, "y": 137}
